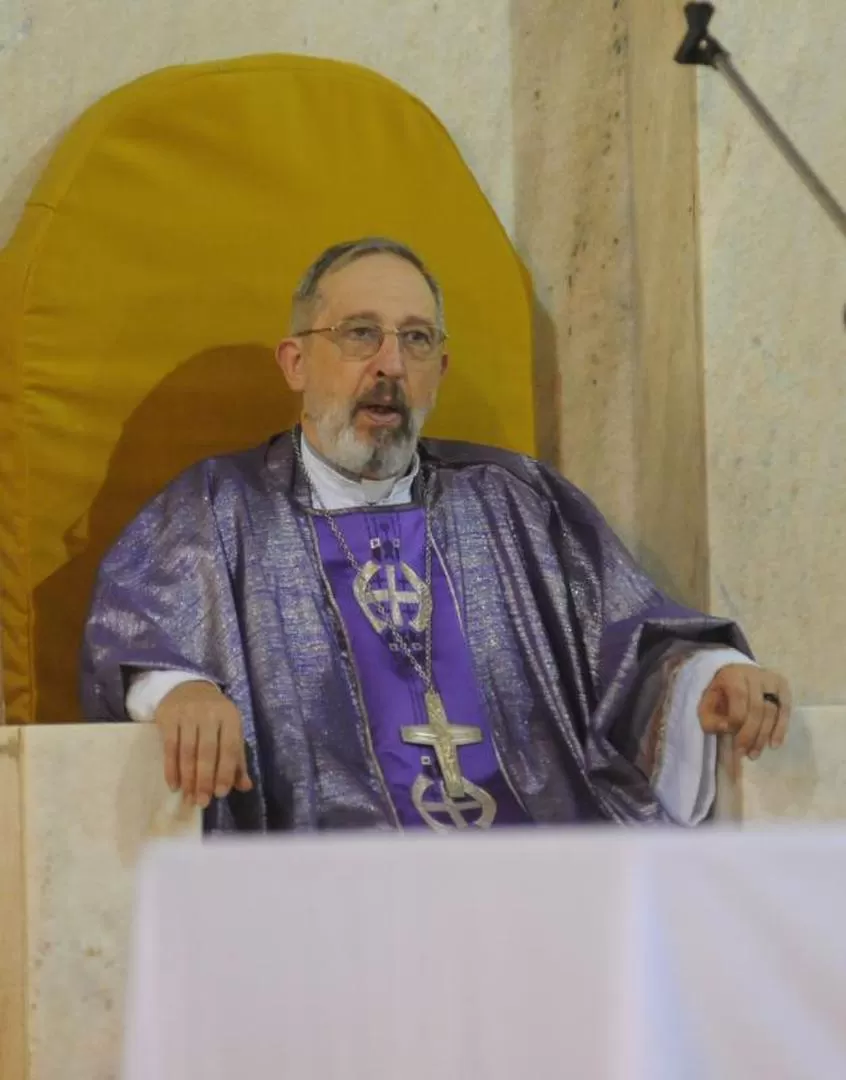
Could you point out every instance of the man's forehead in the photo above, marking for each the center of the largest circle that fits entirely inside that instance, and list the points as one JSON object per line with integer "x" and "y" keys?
{"x": 376, "y": 281}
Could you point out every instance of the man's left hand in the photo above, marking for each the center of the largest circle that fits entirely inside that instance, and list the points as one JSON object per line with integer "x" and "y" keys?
{"x": 751, "y": 703}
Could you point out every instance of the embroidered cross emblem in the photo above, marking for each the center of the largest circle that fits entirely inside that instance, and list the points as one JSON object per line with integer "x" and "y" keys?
{"x": 476, "y": 809}
{"x": 392, "y": 600}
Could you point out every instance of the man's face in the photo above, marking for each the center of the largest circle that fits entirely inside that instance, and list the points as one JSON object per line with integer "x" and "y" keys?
{"x": 365, "y": 414}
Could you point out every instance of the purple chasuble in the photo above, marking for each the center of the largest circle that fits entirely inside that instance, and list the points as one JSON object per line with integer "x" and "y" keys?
{"x": 387, "y": 543}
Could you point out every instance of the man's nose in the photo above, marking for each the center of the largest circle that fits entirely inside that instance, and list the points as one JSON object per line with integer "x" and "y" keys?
{"x": 390, "y": 359}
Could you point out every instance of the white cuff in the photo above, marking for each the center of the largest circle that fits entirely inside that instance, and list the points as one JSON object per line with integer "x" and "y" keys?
{"x": 148, "y": 689}
{"x": 687, "y": 783}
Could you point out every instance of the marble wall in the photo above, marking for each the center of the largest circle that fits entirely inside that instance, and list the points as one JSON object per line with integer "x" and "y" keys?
{"x": 605, "y": 181}
{"x": 690, "y": 305}
{"x": 774, "y": 291}
{"x": 77, "y": 806}
{"x": 806, "y": 780}
{"x": 13, "y": 998}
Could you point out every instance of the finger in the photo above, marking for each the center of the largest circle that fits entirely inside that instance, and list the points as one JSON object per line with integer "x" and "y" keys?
{"x": 754, "y": 696}
{"x": 170, "y": 744}
{"x": 736, "y": 690}
{"x": 242, "y": 776}
{"x": 768, "y": 723}
{"x": 713, "y": 711}
{"x": 188, "y": 735}
{"x": 208, "y": 749}
{"x": 784, "y": 713}
{"x": 229, "y": 760}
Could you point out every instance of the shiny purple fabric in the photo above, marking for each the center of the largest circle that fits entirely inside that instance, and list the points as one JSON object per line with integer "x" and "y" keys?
{"x": 221, "y": 575}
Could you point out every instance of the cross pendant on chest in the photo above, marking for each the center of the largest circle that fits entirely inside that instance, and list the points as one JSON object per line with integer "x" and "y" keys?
{"x": 444, "y": 738}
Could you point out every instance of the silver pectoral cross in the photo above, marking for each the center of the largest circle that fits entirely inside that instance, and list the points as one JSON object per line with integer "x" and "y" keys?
{"x": 444, "y": 738}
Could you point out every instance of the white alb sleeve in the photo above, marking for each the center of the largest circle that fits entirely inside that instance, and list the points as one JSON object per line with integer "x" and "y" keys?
{"x": 148, "y": 689}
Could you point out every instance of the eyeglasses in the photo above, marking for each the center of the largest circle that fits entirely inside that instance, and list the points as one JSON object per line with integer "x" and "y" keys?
{"x": 359, "y": 339}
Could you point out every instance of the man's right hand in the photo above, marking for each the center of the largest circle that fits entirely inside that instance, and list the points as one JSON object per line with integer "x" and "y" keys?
{"x": 203, "y": 740}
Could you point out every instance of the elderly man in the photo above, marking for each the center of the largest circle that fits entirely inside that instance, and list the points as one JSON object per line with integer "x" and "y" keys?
{"x": 348, "y": 627}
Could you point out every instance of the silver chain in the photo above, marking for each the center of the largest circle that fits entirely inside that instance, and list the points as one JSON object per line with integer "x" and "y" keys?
{"x": 320, "y": 509}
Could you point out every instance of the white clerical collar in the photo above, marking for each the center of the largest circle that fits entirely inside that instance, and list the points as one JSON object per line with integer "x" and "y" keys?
{"x": 338, "y": 492}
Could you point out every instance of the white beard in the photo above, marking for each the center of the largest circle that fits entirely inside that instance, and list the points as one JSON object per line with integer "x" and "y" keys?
{"x": 388, "y": 454}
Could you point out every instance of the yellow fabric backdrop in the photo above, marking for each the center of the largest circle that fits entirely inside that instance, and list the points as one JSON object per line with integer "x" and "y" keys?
{"x": 142, "y": 295}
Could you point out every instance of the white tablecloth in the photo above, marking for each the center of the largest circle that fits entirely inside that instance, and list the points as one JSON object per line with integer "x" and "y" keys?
{"x": 644, "y": 955}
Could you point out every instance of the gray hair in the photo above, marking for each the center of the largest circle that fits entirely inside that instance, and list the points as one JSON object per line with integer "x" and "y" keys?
{"x": 341, "y": 255}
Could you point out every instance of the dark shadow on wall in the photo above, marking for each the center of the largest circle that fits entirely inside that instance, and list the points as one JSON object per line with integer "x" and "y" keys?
{"x": 547, "y": 385}
{"x": 222, "y": 400}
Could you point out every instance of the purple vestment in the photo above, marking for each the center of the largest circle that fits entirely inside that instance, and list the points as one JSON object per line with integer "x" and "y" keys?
{"x": 570, "y": 644}
{"x": 394, "y": 540}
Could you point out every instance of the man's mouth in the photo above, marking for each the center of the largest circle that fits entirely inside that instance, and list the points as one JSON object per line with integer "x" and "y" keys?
{"x": 382, "y": 414}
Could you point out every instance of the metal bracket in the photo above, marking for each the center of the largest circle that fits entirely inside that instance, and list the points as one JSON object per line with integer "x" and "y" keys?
{"x": 701, "y": 49}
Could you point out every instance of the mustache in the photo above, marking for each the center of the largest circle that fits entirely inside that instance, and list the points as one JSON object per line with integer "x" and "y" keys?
{"x": 387, "y": 394}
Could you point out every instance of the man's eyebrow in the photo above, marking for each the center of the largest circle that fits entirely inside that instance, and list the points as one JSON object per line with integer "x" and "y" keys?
{"x": 374, "y": 316}
{"x": 370, "y": 316}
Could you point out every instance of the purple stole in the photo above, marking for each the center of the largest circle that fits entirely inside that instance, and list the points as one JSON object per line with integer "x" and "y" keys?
{"x": 382, "y": 540}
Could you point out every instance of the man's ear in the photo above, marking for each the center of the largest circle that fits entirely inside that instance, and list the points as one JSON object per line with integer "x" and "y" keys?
{"x": 291, "y": 361}
{"x": 444, "y": 363}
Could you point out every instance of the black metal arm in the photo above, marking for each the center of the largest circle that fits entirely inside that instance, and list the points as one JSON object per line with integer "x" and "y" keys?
{"x": 701, "y": 48}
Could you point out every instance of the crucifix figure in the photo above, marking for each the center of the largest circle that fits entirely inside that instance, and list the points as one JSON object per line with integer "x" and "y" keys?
{"x": 444, "y": 738}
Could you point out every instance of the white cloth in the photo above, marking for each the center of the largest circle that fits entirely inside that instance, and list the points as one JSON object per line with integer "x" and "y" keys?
{"x": 687, "y": 783}
{"x": 604, "y": 954}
